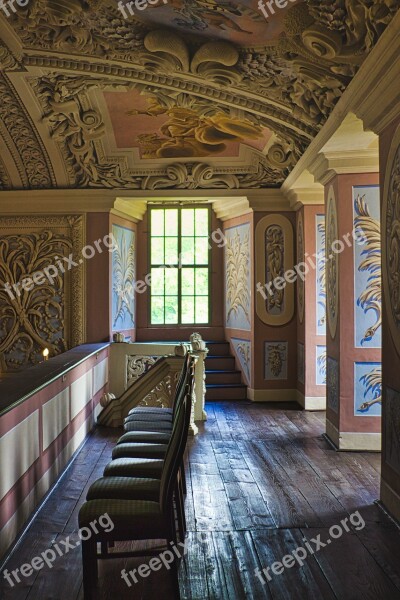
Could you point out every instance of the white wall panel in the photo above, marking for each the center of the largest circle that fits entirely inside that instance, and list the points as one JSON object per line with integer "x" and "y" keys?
{"x": 100, "y": 376}
{"x": 55, "y": 417}
{"x": 81, "y": 393}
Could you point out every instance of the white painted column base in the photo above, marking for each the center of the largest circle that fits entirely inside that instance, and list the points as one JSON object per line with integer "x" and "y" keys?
{"x": 311, "y": 402}
{"x": 353, "y": 441}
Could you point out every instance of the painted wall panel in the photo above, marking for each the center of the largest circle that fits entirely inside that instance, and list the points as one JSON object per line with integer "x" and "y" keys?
{"x": 19, "y": 449}
{"x": 238, "y": 281}
{"x": 123, "y": 279}
{"x": 321, "y": 275}
{"x": 81, "y": 393}
{"x": 55, "y": 417}
{"x": 368, "y": 389}
{"x": 100, "y": 376}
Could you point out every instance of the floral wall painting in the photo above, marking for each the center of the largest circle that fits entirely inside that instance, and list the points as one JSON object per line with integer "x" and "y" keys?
{"x": 392, "y": 428}
{"x": 274, "y": 256}
{"x": 276, "y": 360}
{"x": 321, "y": 274}
{"x": 321, "y": 365}
{"x": 123, "y": 279}
{"x": 238, "y": 282}
{"x": 242, "y": 350}
{"x": 368, "y": 389}
{"x": 368, "y": 268}
{"x": 332, "y": 384}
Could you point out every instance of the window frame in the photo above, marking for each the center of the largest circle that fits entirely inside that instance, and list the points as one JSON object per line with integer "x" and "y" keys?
{"x": 180, "y": 207}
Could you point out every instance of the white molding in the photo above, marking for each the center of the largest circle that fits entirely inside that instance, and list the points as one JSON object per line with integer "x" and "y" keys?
{"x": 311, "y": 402}
{"x": 353, "y": 441}
{"x": 272, "y": 395}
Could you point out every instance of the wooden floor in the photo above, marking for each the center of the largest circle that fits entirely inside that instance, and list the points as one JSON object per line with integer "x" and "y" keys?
{"x": 261, "y": 480}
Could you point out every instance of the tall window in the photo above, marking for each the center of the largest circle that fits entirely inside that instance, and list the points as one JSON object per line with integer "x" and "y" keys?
{"x": 180, "y": 271}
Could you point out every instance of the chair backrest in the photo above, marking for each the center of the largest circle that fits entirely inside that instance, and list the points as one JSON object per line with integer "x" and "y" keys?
{"x": 180, "y": 386}
{"x": 176, "y": 446}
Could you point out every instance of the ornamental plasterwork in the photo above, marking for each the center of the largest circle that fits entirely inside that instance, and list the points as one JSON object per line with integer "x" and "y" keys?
{"x": 137, "y": 365}
{"x": 237, "y": 260}
{"x": 40, "y": 315}
{"x": 286, "y": 82}
{"x": 332, "y": 264}
{"x": 300, "y": 259}
{"x": 162, "y": 395}
{"x": 391, "y": 240}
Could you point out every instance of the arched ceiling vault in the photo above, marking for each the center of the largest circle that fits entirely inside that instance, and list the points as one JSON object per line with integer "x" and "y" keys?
{"x": 185, "y": 94}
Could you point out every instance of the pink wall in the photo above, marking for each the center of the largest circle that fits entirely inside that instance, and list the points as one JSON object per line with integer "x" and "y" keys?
{"x": 342, "y": 347}
{"x": 97, "y": 281}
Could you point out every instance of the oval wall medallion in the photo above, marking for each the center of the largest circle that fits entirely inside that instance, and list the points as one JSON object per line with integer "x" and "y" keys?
{"x": 300, "y": 258}
{"x": 274, "y": 258}
{"x": 391, "y": 240}
{"x": 332, "y": 264}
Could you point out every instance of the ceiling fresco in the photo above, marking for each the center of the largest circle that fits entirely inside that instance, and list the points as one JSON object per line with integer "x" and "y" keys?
{"x": 184, "y": 94}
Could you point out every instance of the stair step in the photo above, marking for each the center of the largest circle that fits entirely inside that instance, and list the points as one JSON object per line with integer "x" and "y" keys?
{"x": 218, "y": 348}
{"x": 218, "y": 363}
{"x": 226, "y": 392}
{"x": 222, "y": 377}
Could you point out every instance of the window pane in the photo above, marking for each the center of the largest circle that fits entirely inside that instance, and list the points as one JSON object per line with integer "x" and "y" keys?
{"x": 187, "y": 251}
{"x": 188, "y": 309}
{"x": 201, "y": 309}
{"x": 201, "y": 282}
{"x": 157, "y": 282}
{"x": 201, "y": 251}
{"x": 188, "y": 221}
{"x": 202, "y": 222}
{"x": 171, "y": 251}
{"x": 157, "y": 310}
{"x": 157, "y": 251}
{"x": 157, "y": 222}
{"x": 171, "y": 310}
{"x": 171, "y": 222}
{"x": 187, "y": 282}
{"x": 171, "y": 281}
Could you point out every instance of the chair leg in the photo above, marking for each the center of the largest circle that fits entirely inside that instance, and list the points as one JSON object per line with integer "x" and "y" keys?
{"x": 182, "y": 498}
{"x": 175, "y": 579}
{"x": 179, "y": 511}
{"x": 90, "y": 571}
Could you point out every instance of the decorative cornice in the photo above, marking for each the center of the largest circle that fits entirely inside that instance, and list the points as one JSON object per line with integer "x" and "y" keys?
{"x": 305, "y": 191}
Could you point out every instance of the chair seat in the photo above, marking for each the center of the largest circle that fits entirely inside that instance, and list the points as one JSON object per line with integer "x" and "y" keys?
{"x": 149, "y": 417}
{"x": 146, "y": 437}
{"x": 125, "y": 488}
{"x": 132, "y": 519}
{"x": 157, "y": 426}
{"x": 150, "y": 410}
{"x": 134, "y": 467}
{"x": 139, "y": 451}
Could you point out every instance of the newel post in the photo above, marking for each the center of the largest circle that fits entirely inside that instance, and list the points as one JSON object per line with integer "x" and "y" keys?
{"x": 199, "y": 351}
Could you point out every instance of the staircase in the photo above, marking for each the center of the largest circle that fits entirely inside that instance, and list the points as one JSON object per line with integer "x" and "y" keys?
{"x": 223, "y": 381}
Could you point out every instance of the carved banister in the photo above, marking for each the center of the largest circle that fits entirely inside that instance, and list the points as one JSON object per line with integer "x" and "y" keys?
{"x": 155, "y": 387}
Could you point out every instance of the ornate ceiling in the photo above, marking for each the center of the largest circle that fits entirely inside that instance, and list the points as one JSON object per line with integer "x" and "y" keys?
{"x": 187, "y": 94}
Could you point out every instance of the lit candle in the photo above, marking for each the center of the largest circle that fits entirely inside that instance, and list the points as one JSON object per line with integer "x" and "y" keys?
{"x": 46, "y": 354}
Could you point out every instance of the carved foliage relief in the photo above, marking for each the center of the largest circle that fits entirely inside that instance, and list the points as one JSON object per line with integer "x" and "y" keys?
{"x": 123, "y": 279}
{"x": 391, "y": 240}
{"x": 238, "y": 283}
{"x": 300, "y": 258}
{"x": 36, "y": 311}
{"x": 242, "y": 349}
{"x": 332, "y": 264}
{"x": 274, "y": 257}
{"x": 276, "y": 361}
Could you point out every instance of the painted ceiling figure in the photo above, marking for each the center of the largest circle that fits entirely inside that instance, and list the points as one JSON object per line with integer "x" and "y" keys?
{"x": 189, "y": 134}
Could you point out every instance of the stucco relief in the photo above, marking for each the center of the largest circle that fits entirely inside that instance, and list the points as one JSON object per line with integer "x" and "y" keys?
{"x": 332, "y": 264}
{"x": 38, "y": 314}
{"x": 300, "y": 259}
{"x": 391, "y": 240}
{"x": 238, "y": 283}
{"x": 274, "y": 256}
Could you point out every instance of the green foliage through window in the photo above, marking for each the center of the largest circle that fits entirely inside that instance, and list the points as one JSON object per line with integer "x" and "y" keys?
{"x": 179, "y": 256}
